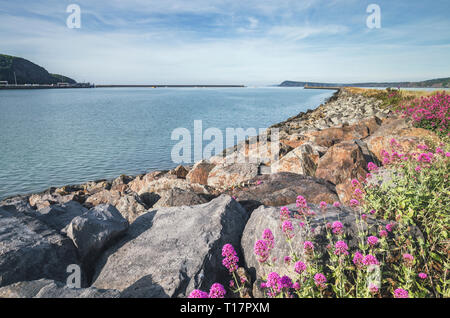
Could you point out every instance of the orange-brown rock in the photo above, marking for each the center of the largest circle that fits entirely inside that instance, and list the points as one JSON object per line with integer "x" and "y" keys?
{"x": 47, "y": 199}
{"x": 301, "y": 160}
{"x": 141, "y": 181}
{"x": 294, "y": 140}
{"x": 345, "y": 191}
{"x": 406, "y": 140}
{"x": 180, "y": 172}
{"x": 331, "y": 136}
{"x": 282, "y": 188}
{"x": 342, "y": 162}
{"x": 229, "y": 175}
{"x": 199, "y": 172}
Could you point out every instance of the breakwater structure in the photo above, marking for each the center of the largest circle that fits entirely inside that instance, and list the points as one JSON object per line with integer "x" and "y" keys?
{"x": 45, "y": 86}
{"x": 89, "y": 85}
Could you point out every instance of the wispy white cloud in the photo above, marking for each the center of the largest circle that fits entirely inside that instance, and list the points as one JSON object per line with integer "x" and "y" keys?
{"x": 295, "y": 33}
{"x": 253, "y": 22}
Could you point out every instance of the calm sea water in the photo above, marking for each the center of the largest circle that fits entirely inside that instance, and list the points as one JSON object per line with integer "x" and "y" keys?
{"x": 68, "y": 136}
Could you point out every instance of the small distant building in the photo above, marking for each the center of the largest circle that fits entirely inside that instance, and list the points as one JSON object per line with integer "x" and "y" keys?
{"x": 3, "y": 83}
{"x": 63, "y": 84}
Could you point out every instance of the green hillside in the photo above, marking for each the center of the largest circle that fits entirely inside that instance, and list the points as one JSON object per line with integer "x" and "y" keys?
{"x": 27, "y": 72}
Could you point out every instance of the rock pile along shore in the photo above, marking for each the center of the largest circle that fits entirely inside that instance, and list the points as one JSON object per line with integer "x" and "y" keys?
{"x": 160, "y": 234}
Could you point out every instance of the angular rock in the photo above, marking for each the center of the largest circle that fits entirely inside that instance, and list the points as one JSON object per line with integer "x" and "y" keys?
{"x": 255, "y": 150}
{"x": 58, "y": 216}
{"x": 179, "y": 197}
{"x": 179, "y": 172}
{"x": 406, "y": 140}
{"x": 199, "y": 172}
{"x": 294, "y": 140}
{"x": 58, "y": 196}
{"x": 18, "y": 203}
{"x": 283, "y": 188}
{"x": 169, "y": 182}
{"x": 342, "y": 162}
{"x": 45, "y": 288}
{"x": 301, "y": 160}
{"x": 31, "y": 250}
{"x": 122, "y": 180}
{"x": 96, "y": 186}
{"x": 331, "y": 136}
{"x": 142, "y": 181}
{"x": 40, "y": 201}
{"x": 95, "y": 229}
{"x": 228, "y": 175}
{"x": 171, "y": 251}
{"x": 130, "y": 205}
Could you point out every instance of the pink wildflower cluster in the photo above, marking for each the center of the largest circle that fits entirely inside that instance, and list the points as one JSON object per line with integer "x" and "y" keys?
{"x": 308, "y": 247}
{"x": 216, "y": 291}
{"x": 430, "y": 112}
{"x": 372, "y": 240}
{"x": 197, "y": 293}
{"x": 268, "y": 237}
{"x": 401, "y": 293}
{"x": 284, "y": 213}
{"x": 423, "y": 276}
{"x": 261, "y": 250}
{"x": 288, "y": 229}
{"x": 373, "y": 289}
{"x": 301, "y": 202}
{"x": 341, "y": 248}
{"x": 300, "y": 267}
{"x": 262, "y": 247}
{"x": 276, "y": 284}
{"x": 360, "y": 260}
{"x": 320, "y": 280}
{"x": 230, "y": 258}
{"x": 372, "y": 167}
{"x": 337, "y": 228}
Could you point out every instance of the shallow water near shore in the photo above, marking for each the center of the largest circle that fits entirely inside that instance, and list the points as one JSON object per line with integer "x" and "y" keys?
{"x": 68, "y": 136}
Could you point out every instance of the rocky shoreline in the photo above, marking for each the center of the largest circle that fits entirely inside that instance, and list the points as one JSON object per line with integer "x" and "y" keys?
{"x": 160, "y": 234}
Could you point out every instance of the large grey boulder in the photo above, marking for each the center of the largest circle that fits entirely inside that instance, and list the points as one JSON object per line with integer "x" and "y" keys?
{"x": 45, "y": 288}
{"x": 58, "y": 216}
{"x": 95, "y": 229}
{"x": 29, "y": 249}
{"x": 179, "y": 197}
{"x": 17, "y": 203}
{"x": 269, "y": 218}
{"x": 171, "y": 251}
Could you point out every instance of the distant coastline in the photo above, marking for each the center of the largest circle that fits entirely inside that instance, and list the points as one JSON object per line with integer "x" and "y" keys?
{"x": 433, "y": 83}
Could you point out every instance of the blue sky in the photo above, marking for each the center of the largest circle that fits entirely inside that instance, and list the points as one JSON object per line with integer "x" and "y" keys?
{"x": 252, "y": 42}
